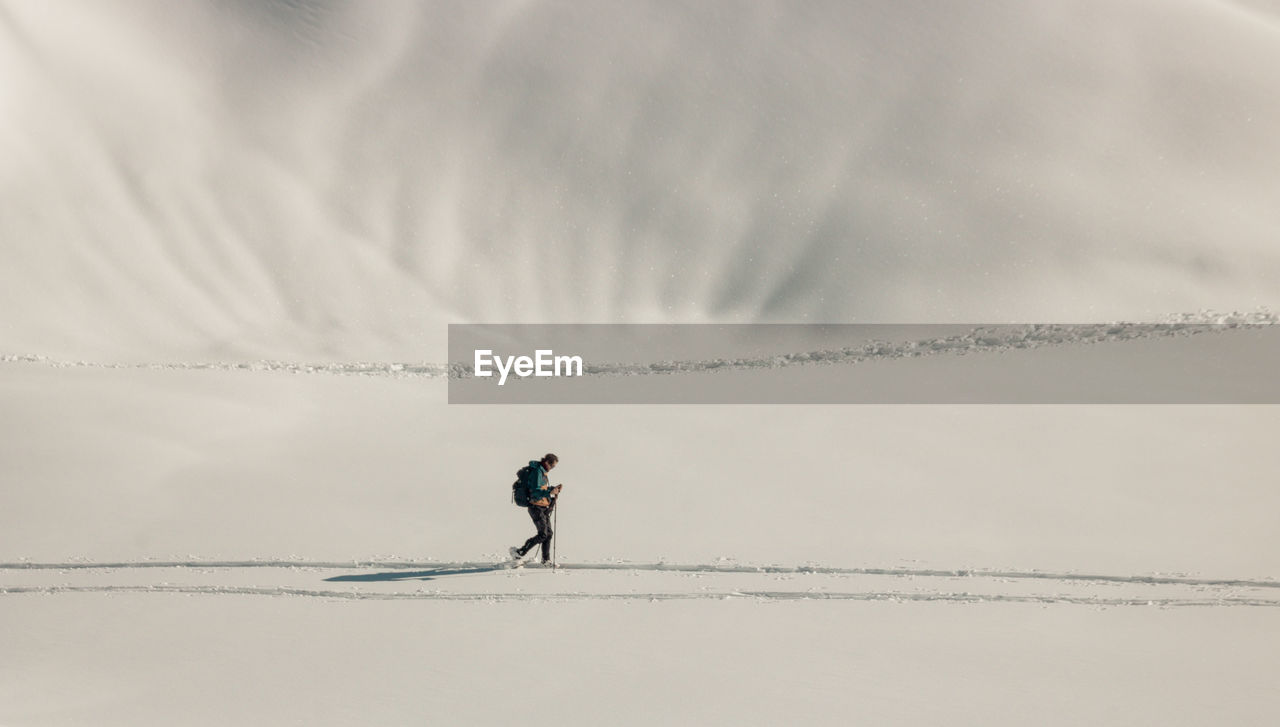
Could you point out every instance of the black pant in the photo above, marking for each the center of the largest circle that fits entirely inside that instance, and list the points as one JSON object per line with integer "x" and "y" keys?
{"x": 542, "y": 519}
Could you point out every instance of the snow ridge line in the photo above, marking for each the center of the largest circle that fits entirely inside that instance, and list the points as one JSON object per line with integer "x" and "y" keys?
{"x": 429, "y": 566}
{"x": 579, "y": 596}
{"x": 1001, "y": 338}
{"x": 995, "y": 339}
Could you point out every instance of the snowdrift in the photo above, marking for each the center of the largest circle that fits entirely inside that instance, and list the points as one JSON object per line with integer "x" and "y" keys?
{"x": 298, "y": 180}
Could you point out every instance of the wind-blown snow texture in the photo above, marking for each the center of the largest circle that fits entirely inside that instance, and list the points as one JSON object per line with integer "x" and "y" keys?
{"x": 201, "y": 199}
{"x": 290, "y": 179}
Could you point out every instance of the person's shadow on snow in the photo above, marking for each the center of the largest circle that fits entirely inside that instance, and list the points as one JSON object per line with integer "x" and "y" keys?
{"x": 421, "y": 575}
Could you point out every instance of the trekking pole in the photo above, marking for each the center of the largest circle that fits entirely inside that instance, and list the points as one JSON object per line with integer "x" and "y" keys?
{"x": 555, "y": 528}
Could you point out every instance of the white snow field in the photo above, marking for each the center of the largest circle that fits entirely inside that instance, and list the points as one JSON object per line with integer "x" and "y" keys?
{"x": 325, "y": 180}
{"x": 232, "y": 235}
{"x": 261, "y": 547}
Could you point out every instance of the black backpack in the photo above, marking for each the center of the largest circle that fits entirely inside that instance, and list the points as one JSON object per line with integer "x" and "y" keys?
{"x": 520, "y": 488}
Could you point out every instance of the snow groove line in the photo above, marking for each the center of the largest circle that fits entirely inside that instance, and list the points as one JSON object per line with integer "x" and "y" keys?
{"x": 662, "y": 567}
{"x": 701, "y": 596}
{"x": 997, "y": 338}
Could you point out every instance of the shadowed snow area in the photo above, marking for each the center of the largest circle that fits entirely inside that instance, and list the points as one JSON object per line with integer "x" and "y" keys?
{"x": 286, "y": 179}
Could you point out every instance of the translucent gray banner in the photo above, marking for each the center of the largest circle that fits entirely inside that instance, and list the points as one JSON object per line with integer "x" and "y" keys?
{"x": 1121, "y": 363}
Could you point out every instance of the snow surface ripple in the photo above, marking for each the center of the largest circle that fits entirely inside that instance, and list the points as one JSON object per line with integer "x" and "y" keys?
{"x": 498, "y": 582}
{"x": 997, "y": 339}
{"x": 668, "y": 567}
{"x": 893, "y": 596}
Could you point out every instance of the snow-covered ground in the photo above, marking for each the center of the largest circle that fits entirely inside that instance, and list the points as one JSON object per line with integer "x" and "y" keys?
{"x": 211, "y": 546}
{"x": 232, "y": 490}
{"x": 314, "y": 180}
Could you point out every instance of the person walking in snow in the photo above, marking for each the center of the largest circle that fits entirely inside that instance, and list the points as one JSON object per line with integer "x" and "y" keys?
{"x": 542, "y": 500}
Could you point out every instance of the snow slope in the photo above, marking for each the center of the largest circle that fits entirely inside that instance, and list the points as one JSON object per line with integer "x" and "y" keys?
{"x": 232, "y": 491}
{"x": 317, "y": 180}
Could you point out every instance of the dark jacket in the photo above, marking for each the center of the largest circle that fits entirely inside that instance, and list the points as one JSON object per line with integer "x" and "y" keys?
{"x": 540, "y": 486}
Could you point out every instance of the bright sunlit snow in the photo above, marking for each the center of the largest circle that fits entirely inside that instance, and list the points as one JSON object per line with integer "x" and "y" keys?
{"x": 232, "y": 490}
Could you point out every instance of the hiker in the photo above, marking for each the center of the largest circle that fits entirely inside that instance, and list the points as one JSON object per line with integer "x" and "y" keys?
{"x": 542, "y": 500}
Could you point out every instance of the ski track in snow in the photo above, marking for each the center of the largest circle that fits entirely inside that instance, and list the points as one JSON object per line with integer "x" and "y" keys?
{"x": 408, "y": 570}
{"x": 670, "y": 567}
{"x": 579, "y": 596}
{"x": 1000, "y": 339}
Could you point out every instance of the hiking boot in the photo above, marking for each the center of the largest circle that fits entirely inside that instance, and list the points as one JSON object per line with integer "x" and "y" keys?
{"x": 515, "y": 553}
